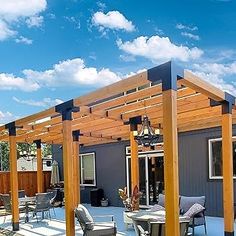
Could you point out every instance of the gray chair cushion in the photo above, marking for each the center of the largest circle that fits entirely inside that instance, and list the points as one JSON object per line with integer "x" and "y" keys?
{"x": 193, "y": 210}
{"x": 187, "y": 202}
{"x": 83, "y": 216}
{"x": 161, "y": 200}
{"x": 102, "y": 229}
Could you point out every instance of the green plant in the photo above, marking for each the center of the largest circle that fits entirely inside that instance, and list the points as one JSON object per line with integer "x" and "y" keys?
{"x": 131, "y": 203}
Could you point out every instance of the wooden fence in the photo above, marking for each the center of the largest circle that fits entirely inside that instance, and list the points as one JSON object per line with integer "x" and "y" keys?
{"x": 27, "y": 180}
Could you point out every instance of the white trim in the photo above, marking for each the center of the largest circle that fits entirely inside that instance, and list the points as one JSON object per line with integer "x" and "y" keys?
{"x": 94, "y": 169}
{"x": 210, "y": 141}
{"x": 145, "y": 152}
{"x": 147, "y": 180}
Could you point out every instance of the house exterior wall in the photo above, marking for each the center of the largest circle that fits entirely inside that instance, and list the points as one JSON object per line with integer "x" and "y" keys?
{"x": 193, "y": 169}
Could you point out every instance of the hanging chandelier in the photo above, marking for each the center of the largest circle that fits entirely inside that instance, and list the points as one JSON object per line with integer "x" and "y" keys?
{"x": 28, "y": 154}
{"x": 147, "y": 136}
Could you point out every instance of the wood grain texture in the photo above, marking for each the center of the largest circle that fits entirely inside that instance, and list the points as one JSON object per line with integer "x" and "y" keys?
{"x": 171, "y": 175}
{"x": 228, "y": 187}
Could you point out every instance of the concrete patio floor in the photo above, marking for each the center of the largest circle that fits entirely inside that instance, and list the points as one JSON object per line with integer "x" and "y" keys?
{"x": 56, "y": 226}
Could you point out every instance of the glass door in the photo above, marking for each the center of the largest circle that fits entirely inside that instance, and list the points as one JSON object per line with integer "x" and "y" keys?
{"x": 151, "y": 177}
{"x": 155, "y": 177}
{"x": 143, "y": 179}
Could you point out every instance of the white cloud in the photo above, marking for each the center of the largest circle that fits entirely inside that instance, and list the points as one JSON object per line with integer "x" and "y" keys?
{"x": 5, "y": 31}
{"x": 34, "y": 21}
{"x": 159, "y": 49}
{"x": 46, "y": 102}
{"x": 10, "y": 82}
{"x": 66, "y": 73}
{"x": 191, "y": 36}
{"x": 217, "y": 74}
{"x": 12, "y": 10}
{"x": 72, "y": 72}
{"x": 24, "y": 40}
{"x": 112, "y": 20}
{"x": 19, "y": 11}
{"x": 6, "y": 117}
{"x": 186, "y": 27}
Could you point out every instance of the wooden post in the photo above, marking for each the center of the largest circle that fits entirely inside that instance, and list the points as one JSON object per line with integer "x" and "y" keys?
{"x": 39, "y": 167}
{"x": 13, "y": 176}
{"x": 76, "y": 167}
{"x": 171, "y": 162}
{"x": 227, "y": 158}
{"x": 68, "y": 177}
{"x": 65, "y": 109}
{"x": 134, "y": 158}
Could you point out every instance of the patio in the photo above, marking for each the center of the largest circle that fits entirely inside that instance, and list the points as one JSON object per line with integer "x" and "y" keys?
{"x": 56, "y": 226}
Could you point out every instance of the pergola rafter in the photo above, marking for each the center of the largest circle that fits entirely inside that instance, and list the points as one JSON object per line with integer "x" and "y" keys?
{"x": 173, "y": 99}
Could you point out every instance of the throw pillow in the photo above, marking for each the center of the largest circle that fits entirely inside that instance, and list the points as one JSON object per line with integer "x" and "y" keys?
{"x": 161, "y": 200}
{"x": 157, "y": 207}
{"x": 193, "y": 210}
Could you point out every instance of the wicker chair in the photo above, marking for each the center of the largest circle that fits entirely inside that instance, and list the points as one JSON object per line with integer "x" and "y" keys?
{"x": 6, "y": 199}
{"x": 42, "y": 205}
{"x": 91, "y": 228}
{"x": 157, "y": 228}
{"x": 52, "y": 195}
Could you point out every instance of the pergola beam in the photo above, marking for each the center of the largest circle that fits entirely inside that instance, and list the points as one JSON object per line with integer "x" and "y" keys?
{"x": 192, "y": 81}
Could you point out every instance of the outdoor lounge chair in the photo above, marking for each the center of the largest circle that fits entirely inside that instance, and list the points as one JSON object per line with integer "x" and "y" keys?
{"x": 198, "y": 218}
{"x": 42, "y": 205}
{"x": 91, "y": 228}
{"x": 157, "y": 228}
{"x": 6, "y": 199}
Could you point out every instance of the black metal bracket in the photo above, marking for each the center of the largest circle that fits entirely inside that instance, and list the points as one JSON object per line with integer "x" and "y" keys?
{"x": 167, "y": 73}
{"x": 38, "y": 143}
{"x": 133, "y": 122}
{"x": 227, "y": 104}
{"x": 76, "y": 134}
{"x": 11, "y": 128}
{"x": 66, "y": 109}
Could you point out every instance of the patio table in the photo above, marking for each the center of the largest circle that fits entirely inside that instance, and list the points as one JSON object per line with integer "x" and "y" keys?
{"x": 27, "y": 201}
{"x": 143, "y": 218}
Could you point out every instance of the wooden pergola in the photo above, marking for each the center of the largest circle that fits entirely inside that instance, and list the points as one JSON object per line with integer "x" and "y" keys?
{"x": 173, "y": 99}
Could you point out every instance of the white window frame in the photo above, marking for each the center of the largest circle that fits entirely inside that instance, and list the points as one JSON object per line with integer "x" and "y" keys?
{"x": 94, "y": 169}
{"x": 210, "y": 141}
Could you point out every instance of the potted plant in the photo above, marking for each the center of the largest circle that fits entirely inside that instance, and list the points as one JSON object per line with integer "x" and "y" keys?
{"x": 104, "y": 202}
{"x": 131, "y": 203}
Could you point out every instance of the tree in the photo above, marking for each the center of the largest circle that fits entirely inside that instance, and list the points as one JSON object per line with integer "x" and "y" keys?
{"x": 4, "y": 156}
{"x": 21, "y": 147}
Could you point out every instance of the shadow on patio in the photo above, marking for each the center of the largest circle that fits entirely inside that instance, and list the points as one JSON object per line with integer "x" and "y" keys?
{"x": 56, "y": 226}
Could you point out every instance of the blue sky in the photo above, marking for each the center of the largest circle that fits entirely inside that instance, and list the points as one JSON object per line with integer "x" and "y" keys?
{"x": 52, "y": 51}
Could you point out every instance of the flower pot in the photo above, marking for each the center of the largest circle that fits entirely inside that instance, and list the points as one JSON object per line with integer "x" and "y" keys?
{"x": 104, "y": 203}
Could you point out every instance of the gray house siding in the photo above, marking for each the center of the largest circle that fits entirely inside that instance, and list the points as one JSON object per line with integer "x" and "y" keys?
{"x": 110, "y": 170}
{"x": 193, "y": 169}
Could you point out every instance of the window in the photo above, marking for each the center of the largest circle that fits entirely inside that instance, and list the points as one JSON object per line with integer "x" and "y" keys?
{"x": 215, "y": 158}
{"x": 87, "y": 163}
